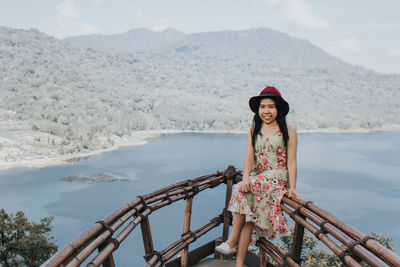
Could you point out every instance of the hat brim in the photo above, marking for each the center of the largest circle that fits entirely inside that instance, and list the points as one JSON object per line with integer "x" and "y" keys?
{"x": 254, "y": 103}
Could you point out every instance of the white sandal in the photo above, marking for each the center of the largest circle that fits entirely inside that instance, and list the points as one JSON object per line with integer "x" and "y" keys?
{"x": 225, "y": 249}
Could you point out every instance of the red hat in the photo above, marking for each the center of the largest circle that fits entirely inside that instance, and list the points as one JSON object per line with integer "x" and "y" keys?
{"x": 268, "y": 92}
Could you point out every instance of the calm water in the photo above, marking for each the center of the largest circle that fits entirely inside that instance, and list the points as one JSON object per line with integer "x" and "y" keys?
{"x": 356, "y": 177}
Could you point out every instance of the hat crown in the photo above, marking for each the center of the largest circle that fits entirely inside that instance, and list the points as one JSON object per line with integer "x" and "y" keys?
{"x": 270, "y": 90}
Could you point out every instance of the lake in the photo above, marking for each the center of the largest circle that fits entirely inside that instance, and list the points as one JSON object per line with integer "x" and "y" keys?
{"x": 354, "y": 176}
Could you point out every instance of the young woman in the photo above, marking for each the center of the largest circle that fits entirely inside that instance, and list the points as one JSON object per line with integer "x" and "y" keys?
{"x": 270, "y": 171}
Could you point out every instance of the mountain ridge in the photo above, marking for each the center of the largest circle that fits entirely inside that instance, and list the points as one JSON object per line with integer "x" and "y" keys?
{"x": 140, "y": 39}
{"x": 182, "y": 44}
{"x": 81, "y": 99}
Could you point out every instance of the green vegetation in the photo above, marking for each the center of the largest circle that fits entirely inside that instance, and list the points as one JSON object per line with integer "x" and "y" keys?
{"x": 24, "y": 243}
{"x": 316, "y": 257}
{"x": 72, "y": 100}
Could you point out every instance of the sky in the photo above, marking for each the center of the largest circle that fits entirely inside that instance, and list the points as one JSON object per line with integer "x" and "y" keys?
{"x": 361, "y": 32}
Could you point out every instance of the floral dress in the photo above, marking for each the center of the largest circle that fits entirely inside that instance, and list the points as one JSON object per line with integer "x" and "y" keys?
{"x": 269, "y": 182}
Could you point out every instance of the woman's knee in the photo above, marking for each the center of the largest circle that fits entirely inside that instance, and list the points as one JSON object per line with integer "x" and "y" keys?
{"x": 248, "y": 224}
{"x": 239, "y": 218}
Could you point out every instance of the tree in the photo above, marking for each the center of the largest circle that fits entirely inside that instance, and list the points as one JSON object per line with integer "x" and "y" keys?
{"x": 24, "y": 243}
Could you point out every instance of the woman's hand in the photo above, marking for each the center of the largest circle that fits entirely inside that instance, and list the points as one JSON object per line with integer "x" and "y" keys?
{"x": 293, "y": 193}
{"x": 245, "y": 185}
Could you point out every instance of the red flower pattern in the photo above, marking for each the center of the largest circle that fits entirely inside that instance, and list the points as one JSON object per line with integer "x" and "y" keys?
{"x": 269, "y": 180}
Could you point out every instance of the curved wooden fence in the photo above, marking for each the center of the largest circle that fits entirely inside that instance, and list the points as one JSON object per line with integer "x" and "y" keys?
{"x": 98, "y": 243}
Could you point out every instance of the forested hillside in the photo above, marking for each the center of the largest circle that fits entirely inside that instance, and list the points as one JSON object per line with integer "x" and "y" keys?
{"x": 81, "y": 99}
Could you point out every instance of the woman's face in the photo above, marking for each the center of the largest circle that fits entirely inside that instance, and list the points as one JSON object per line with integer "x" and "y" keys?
{"x": 267, "y": 111}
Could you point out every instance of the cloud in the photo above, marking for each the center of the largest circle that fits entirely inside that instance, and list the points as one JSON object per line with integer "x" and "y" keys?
{"x": 141, "y": 20}
{"x": 300, "y": 13}
{"x": 343, "y": 46}
{"x": 137, "y": 12}
{"x": 87, "y": 28}
{"x": 161, "y": 25}
{"x": 394, "y": 52}
{"x": 68, "y": 9}
{"x": 69, "y": 15}
{"x": 272, "y": 2}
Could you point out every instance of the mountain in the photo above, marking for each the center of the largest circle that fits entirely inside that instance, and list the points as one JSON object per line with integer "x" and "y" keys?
{"x": 84, "y": 98}
{"x": 265, "y": 45}
{"x": 133, "y": 40}
{"x": 249, "y": 45}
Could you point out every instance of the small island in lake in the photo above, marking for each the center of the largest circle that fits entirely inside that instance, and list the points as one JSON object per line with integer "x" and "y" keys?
{"x": 93, "y": 178}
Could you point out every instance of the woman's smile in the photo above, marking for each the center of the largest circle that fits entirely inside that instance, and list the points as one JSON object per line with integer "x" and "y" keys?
{"x": 267, "y": 110}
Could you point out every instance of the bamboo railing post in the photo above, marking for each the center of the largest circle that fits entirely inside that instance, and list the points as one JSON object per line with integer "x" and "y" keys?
{"x": 229, "y": 175}
{"x": 297, "y": 241}
{"x": 263, "y": 259}
{"x": 186, "y": 228}
{"x": 147, "y": 239}
{"x": 109, "y": 261}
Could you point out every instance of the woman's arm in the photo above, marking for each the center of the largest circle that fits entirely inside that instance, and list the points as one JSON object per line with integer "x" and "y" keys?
{"x": 292, "y": 160}
{"x": 248, "y": 164}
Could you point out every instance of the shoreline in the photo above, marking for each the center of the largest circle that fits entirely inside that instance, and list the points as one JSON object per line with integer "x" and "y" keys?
{"x": 143, "y": 137}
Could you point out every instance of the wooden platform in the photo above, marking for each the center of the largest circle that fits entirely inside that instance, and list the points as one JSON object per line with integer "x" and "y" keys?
{"x": 215, "y": 263}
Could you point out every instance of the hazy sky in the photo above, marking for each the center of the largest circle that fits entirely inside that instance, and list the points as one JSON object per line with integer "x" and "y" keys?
{"x": 364, "y": 32}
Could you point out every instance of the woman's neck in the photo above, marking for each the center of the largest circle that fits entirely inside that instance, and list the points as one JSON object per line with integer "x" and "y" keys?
{"x": 271, "y": 125}
{"x": 268, "y": 129}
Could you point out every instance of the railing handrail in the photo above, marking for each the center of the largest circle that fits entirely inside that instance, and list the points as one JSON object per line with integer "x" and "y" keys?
{"x": 320, "y": 223}
{"x": 99, "y": 236}
{"x": 358, "y": 246}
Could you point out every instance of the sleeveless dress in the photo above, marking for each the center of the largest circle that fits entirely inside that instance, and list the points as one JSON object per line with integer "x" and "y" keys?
{"x": 269, "y": 182}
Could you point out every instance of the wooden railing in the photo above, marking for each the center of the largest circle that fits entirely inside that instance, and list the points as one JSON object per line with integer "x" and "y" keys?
{"x": 97, "y": 244}
{"x": 358, "y": 246}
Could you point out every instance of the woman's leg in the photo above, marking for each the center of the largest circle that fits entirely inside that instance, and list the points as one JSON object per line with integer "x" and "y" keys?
{"x": 237, "y": 224}
{"x": 244, "y": 240}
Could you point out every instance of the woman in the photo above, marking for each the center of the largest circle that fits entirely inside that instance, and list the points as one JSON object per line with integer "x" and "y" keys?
{"x": 270, "y": 171}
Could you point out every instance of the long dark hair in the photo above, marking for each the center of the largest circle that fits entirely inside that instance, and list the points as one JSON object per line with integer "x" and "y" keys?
{"x": 280, "y": 119}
